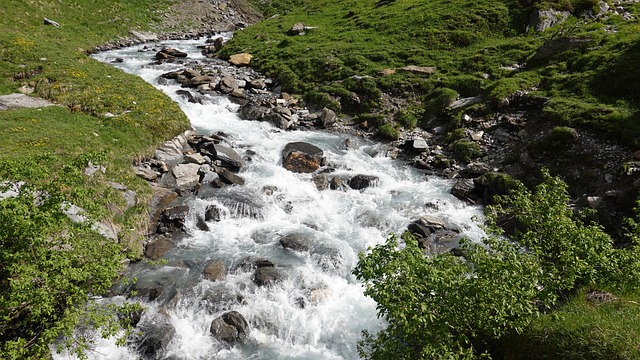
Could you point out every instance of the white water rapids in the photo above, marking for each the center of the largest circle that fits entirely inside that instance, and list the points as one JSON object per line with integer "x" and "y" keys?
{"x": 335, "y": 311}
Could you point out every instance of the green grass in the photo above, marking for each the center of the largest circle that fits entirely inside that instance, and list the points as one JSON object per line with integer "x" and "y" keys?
{"x": 470, "y": 43}
{"x": 54, "y": 62}
{"x": 582, "y": 330}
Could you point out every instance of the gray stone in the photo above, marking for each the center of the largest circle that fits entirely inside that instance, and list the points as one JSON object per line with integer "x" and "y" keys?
{"x": 463, "y": 188}
{"x": 541, "y": 20}
{"x": 227, "y": 84}
{"x": 173, "y": 150}
{"x": 464, "y": 102}
{"x": 194, "y": 159}
{"x": 157, "y": 248}
{"x": 186, "y": 175}
{"x": 145, "y": 172}
{"x": 231, "y": 327}
{"x": 229, "y": 156}
{"x": 321, "y": 181}
{"x": 327, "y": 117}
{"x": 156, "y": 336}
{"x": 295, "y": 242}
{"x": 21, "y": 101}
{"x": 229, "y": 177}
{"x": 418, "y": 145}
{"x": 264, "y": 276}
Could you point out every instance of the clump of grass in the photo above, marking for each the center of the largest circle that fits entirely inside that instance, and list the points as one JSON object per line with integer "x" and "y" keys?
{"x": 466, "y": 150}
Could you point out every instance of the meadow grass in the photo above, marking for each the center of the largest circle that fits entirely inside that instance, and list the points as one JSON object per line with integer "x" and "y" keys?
{"x": 101, "y": 109}
{"x": 473, "y": 46}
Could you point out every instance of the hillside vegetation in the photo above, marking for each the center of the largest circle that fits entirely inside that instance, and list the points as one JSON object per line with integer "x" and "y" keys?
{"x": 475, "y": 47}
{"x": 49, "y": 266}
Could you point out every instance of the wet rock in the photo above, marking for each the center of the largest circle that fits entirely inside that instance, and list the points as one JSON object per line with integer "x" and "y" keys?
{"x": 215, "y": 271}
{"x": 295, "y": 242}
{"x": 229, "y": 156}
{"x": 173, "y": 218}
{"x": 155, "y": 338}
{"x": 321, "y": 181}
{"x": 360, "y": 182}
{"x": 231, "y": 327}
{"x": 301, "y": 157}
{"x": 157, "y": 248}
{"x": 161, "y": 198}
{"x": 168, "y": 53}
{"x": 337, "y": 183}
{"x": 463, "y": 189}
{"x": 278, "y": 120}
{"x": 267, "y": 275}
{"x": 212, "y": 213}
{"x": 252, "y": 111}
{"x": 229, "y": 177}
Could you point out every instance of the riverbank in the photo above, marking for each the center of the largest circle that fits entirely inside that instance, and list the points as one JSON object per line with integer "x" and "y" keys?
{"x": 79, "y": 153}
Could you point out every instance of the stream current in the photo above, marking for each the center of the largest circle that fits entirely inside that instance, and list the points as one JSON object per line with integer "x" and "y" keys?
{"x": 319, "y": 310}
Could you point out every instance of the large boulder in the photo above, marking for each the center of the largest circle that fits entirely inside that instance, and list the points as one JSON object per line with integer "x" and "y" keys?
{"x": 229, "y": 156}
{"x": 301, "y": 157}
{"x": 231, "y": 327}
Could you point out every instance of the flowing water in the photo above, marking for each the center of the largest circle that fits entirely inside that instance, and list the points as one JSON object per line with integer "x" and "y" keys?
{"x": 319, "y": 310}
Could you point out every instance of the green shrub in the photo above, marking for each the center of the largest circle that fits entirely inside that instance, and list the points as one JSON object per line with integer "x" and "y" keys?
{"x": 389, "y": 131}
{"x": 440, "y": 99}
{"x": 457, "y": 134}
{"x": 561, "y": 137}
{"x": 466, "y": 150}
{"x": 407, "y": 119}
{"x": 443, "y": 307}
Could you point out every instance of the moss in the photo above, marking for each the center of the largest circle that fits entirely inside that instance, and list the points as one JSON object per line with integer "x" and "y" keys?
{"x": 465, "y": 150}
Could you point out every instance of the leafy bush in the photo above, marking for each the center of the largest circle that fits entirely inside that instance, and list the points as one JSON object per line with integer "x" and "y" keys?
{"x": 50, "y": 266}
{"x": 465, "y": 308}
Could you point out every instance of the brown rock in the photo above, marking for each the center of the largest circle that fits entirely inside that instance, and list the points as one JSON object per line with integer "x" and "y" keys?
{"x": 157, "y": 248}
{"x": 215, "y": 271}
{"x": 240, "y": 59}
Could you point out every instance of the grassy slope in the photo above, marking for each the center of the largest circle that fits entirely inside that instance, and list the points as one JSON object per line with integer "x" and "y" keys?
{"x": 465, "y": 40}
{"x": 53, "y": 61}
{"x": 594, "y": 87}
